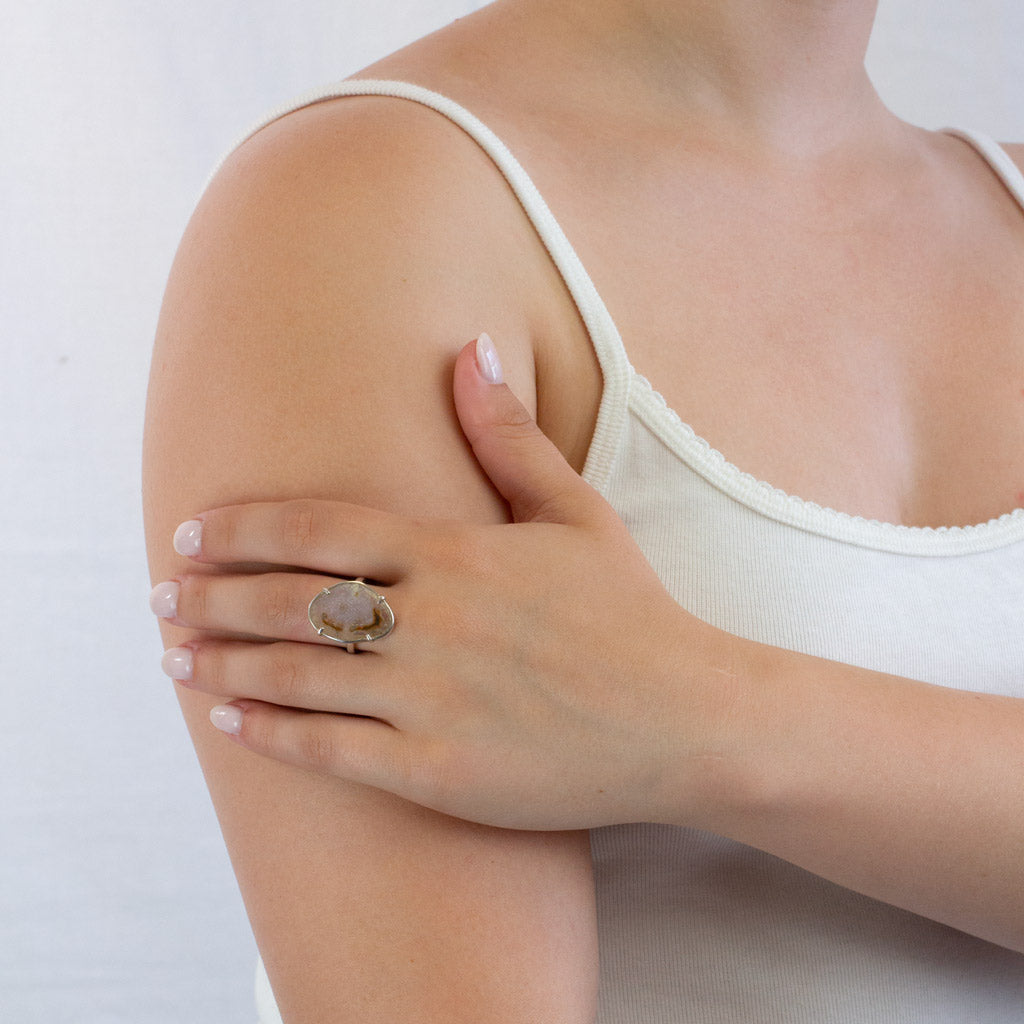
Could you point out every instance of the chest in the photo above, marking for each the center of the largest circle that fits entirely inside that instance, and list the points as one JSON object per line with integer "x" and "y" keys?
{"x": 867, "y": 358}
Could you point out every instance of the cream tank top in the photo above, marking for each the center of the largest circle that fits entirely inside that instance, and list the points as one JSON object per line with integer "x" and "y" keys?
{"x": 696, "y": 929}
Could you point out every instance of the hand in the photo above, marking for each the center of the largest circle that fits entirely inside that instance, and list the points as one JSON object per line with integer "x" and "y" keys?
{"x": 539, "y": 675}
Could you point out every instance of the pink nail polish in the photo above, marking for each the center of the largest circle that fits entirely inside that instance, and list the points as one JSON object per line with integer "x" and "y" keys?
{"x": 227, "y": 718}
{"x": 163, "y": 599}
{"x": 487, "y": 360}
{"x": 177, "y": 663}
{"x": 188, "y": 538}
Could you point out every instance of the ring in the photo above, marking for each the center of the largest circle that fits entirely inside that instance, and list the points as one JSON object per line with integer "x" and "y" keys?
{"x": 351, "y": 612}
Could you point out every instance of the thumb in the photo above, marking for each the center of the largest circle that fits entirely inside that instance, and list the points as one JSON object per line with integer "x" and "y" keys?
{"x": 523, "y": 464}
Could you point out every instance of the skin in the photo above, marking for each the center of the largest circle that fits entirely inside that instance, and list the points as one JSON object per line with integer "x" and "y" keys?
{"x": 742, "y": 153}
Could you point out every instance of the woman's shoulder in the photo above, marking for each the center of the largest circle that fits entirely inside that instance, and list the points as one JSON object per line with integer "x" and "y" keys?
{"x": 376, "y": 163}
{"x": 395, "y": 204}
{"x": 361, "y": 222}
{"x": 336, "y": 264}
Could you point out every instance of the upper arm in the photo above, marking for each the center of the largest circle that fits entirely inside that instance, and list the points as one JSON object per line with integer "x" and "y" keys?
{"x": 305, "y": 347}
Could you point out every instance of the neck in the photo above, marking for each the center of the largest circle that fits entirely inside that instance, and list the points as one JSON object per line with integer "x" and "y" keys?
{"x": 787, "y": 76}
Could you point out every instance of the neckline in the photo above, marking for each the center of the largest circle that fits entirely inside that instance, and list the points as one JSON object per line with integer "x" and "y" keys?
{"x": 789, "y": 509}
{"x": 766, "y": 499}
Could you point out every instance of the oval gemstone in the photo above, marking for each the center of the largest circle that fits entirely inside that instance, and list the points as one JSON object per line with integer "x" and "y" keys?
{"x": 351, "y": 612}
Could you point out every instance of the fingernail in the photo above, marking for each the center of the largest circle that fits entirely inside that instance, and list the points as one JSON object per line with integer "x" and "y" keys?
{"x": 177, "y": 663}
{"x": 188, "y": 538}
{"x": 163, "y": 599}
{"x": 487, "y": 360}
{"x": 227, "y": 718}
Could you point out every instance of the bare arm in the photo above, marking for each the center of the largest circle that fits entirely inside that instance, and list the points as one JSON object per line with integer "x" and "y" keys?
{"x": 305, "y": 350}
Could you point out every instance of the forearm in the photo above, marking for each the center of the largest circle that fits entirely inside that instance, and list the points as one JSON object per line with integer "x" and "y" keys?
{"x": 906, "y": 792}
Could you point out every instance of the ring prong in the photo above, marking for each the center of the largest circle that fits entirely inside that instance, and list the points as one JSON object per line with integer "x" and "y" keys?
{"x": 345, "y": 605}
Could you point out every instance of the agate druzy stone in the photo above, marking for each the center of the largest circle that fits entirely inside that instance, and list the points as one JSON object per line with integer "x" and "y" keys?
{"x": 351, "y": 612}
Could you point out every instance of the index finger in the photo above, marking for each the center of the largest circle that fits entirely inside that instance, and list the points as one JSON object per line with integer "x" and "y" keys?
{"x": 334, "y": 537}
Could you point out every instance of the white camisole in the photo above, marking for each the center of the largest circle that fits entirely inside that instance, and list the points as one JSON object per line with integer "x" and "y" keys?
{"x": 696, "y": 929}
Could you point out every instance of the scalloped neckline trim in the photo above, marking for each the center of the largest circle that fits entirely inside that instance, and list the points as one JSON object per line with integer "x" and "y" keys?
{"x": 783, "y": 507}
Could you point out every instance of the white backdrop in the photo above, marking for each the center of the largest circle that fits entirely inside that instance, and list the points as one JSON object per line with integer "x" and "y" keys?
{"x": 117, "y": 903}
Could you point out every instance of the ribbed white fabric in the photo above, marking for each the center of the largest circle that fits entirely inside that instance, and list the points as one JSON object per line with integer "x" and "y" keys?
{"x": 695, "y": 929}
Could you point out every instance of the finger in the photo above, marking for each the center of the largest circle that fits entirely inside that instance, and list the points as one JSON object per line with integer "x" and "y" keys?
{"x": 525, "y": 466}
{"x": 307, "y": 676}
{"x": 271, "y": 605}
{"x": 363, "y": 750}
{"x": 328, "y": 536}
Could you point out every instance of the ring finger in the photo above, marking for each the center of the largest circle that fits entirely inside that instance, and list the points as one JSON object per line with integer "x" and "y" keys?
{"x": 272, "y": 605}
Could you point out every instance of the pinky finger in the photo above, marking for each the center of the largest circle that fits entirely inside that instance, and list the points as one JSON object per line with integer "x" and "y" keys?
{"x": 364, "y": 750}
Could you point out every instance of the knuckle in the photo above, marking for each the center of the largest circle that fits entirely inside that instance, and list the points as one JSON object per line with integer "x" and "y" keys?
{"x": 436, "y": 546}
{"x": 277, "y": 608}
{"x": 511, "y": 415}
{"x": 315, "y": 745}
{"x": 519, "y": 429}
{"x": 283, "y": 677}
{"x": 301, "y": 526}
{"x": 259, "y": 730}
{"x": 208, "y": 668}
{"x": 547, "y": 508}
{"x": 445, "y": 620}
{"x": 194, "y": 600}
{"x": 463, "y": 550}
{"x": 221, "y": 534}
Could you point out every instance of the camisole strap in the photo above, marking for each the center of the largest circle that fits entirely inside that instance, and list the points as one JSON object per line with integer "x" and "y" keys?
{"x": 613, "y": 412}
{"x": 997, "y": 158}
